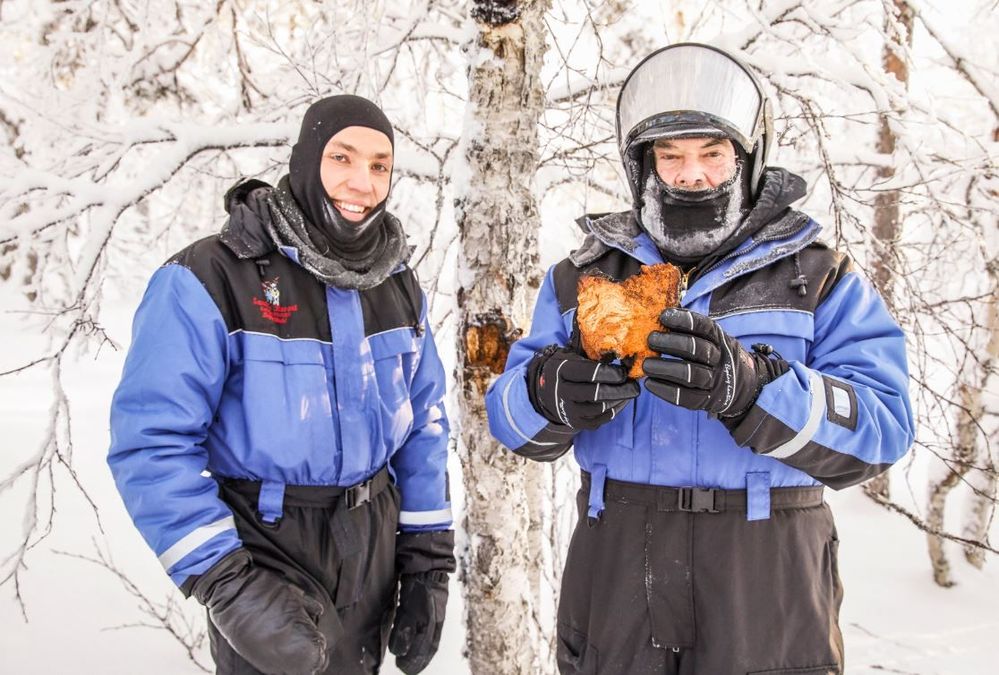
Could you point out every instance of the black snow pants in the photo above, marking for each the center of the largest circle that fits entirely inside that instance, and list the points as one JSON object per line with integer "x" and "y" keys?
{"x": 344, "y": 557}
{"x": 661, "y": 585}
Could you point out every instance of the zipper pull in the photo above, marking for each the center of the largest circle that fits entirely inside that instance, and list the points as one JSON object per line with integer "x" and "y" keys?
{"x": 684, "y": 279}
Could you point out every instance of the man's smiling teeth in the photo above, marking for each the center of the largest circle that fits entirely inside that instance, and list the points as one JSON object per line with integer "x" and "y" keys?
{"x": 353, "y": 208}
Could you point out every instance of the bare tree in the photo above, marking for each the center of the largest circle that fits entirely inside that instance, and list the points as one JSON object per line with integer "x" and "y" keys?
{"x": 128, "y": 121}
{"x": 935, "y": 183}
{"x": 887, "y": 225}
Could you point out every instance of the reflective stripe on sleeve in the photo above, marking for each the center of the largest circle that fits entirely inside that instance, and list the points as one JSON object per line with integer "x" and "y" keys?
{"x": 193, "y": 540}
{"x": 425, "y": 517}
{"x": 509, "y": 417}
{"x": 811, "y": 424}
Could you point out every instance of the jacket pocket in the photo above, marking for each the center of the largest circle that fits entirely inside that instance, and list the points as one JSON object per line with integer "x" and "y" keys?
{"x": 619, "y": 432}
{"x": 395, "y": 354}
{"x": 789, "y": 332}
{"x": 279, "y": 391}
{"x": 574, "y": 653}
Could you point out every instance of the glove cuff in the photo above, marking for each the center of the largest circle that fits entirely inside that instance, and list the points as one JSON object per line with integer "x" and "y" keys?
{"x": 228, "y": 568}
{"x": 420, "y": 552}
{"x": 534, "y": 370}
{"x": 767, "y": 370}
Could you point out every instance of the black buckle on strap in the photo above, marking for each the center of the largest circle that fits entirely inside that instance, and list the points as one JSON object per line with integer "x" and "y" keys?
{"x": 359, "y": 494}
{"x": 697, "y": 500}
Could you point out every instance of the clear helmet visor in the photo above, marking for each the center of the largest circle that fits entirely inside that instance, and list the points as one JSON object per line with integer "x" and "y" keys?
{"x": 690, "y": 90}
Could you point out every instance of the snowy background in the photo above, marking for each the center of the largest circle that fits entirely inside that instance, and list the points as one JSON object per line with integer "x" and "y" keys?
{"x": 82, "y": 619}
{"x": 106, "y": 109}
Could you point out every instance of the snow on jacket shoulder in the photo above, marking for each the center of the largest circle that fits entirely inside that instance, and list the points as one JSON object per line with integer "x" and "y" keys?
{"x": 841, "y": 415}
{"x": 253, "y": 369}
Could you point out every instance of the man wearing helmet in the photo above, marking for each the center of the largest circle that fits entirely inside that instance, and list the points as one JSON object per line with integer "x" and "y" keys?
{"x": 704, "y": 545}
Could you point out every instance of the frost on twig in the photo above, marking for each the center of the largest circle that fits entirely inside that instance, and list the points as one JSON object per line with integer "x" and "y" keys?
{"x": 167, "y": 615}
{"x": 128, "y": 121}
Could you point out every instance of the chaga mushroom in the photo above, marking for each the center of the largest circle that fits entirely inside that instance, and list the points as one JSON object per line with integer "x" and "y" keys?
{"x": 616, "y": 317}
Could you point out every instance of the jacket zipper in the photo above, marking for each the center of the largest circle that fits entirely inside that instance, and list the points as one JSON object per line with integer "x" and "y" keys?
{"x": 684, "y": 279}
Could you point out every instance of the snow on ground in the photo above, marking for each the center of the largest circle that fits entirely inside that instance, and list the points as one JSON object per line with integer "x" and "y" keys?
{"x": 81, "y": 619}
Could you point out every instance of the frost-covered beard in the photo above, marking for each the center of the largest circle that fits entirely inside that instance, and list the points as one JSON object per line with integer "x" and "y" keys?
{"x": 688, "y": 225}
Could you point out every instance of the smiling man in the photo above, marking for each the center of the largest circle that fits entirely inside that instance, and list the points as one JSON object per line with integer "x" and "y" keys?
{"x": 704, "y": 545}
{"x": 279, "y": 435}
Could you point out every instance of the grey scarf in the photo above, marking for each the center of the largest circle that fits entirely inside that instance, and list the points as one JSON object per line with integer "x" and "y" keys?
{"x": 289, "y": 227}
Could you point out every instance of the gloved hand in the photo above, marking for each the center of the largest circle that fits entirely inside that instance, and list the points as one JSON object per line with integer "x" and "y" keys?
{"x": 711, "y": 371}
{"x": 423, "y": 560}
{"x": 268, "y": 621}
{"x": 578, "y": 392}
{"x": 419, "y": 620}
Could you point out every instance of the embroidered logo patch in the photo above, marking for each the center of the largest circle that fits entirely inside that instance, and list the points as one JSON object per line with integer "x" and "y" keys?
{"x": 270, "y": 307}
{"x": 271, "y": 291}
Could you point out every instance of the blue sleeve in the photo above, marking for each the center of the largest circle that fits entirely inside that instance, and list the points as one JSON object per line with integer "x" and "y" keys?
{"x": 513, "y": 421}
{"x": 844, "y": 415}
{"x": 420, "y": 465}
{"x": 160, "y": 414}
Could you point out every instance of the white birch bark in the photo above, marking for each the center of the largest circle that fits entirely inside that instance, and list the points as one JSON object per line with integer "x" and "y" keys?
{"x": 498, "y": 223}
{"x": 981, "y": 505}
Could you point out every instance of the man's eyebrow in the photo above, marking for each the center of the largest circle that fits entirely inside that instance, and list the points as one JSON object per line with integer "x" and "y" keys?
{"x": 344, "y": 146}
{"x": 350, "y": 148}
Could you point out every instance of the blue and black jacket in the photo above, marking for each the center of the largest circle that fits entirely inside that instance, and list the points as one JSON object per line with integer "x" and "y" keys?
{"x": 839, "y": 416}
{"x": 243, "y": 365}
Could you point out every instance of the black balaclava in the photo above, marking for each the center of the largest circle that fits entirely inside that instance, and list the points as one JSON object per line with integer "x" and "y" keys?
{"x": 330, "y": 231}
{"x": 337, "y": 251}
{"x": 687, "y": 226}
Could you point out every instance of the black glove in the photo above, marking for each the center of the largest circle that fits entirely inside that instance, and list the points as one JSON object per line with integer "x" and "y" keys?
{"x": 575, "y": 391}
{"x": 423, "y": 560}
{"x": 711, "y": 371}
{"x": 268, "y": 621}
{"x": 419, "y": 620}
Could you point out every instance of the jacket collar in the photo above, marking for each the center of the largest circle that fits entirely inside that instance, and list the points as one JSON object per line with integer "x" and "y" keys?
{"x": 783, "y": 237}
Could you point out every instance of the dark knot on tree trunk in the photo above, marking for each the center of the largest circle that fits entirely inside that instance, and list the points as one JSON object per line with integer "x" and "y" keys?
{"x": 496, "y": 13}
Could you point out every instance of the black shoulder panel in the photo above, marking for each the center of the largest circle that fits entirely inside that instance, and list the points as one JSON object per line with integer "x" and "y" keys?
{"x": 270, "y": 294}
{"x": 614, "y": 264}
{"x": 777, "y": 286}
{"x": 397, "y": 301}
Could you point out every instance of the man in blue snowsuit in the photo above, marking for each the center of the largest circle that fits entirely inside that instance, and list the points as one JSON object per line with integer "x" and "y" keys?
{"x": 704, "y": 546}
{"x": 279, "y": 435}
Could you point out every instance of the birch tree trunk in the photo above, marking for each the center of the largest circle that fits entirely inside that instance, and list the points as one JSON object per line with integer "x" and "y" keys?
{"x": 971, "y": 459}
{"x": 898, "y": 26}
{"x": 982, "y": 506}
{"x": 974, "y": 458}
{"x": 982, "y": 503}
{"x": 964, "y": 458}
{"x": 498, "y": 222}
